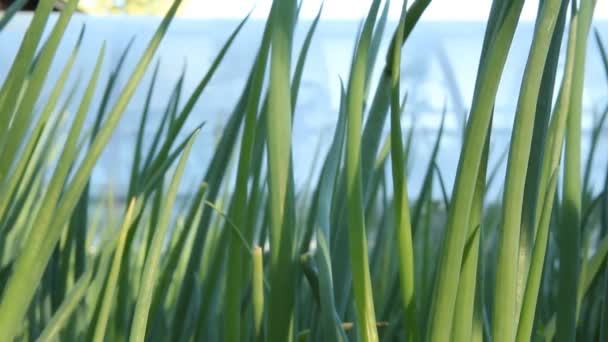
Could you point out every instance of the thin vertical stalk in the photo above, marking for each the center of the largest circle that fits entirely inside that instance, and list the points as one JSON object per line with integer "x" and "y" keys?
{"x": 258, "y": 292}
{"x": 238, "y": 209}
{"x": 499, "y": 35}
{"x": 38, "y": 248}
{"x": 547, "y": 190}
{"x": 282, "y": 261}
{"x": 151, "y": 266}
{"x": 533, "y": 181}
{"x": 569, "y": 228}
{"x": 464, "y": 315}
{"x": 504, "y": 325}
{"x": 403, "y": 226}
{"x": 357, "y": 239}
{"x": 110, "y": 287}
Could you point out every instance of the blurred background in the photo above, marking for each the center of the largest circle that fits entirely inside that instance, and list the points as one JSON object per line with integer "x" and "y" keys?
{"x": 333, "y": 9}
{"x": 438, "y": 63}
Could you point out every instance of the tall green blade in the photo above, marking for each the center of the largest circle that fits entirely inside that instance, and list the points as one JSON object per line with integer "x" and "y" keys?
{"x": 101, "y": 321}
{"x": 569, "y": 231}
{"x": 533, "y": 174}
{"x": 238, "y": 209}
{"x": 258, "y": 292}
{"x": 330, "y": 326}
{"x": 29, "y": 268}
{"x": 603, "y": 52}
{"x": 67, "y": 308}
{"x": 499, "y": 34}
{"x": 357, "y": 240}
{"x": 403, "y": 226}
{"x": 14, "y": 81}
{"x": 464, "y": 315}
{"x": 282, "y": 263}
{"x": 504, "y": 324}
{"x": 12, "y": 141}
{"x": 11, "y": 181}
{"x": 550, "y": 163}
{"x": 152, "y": 263}
{"x": 38, "y": 247}
{"x": 205, "y": 239}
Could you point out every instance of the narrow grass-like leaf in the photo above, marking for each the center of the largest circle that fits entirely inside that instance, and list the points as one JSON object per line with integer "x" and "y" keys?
{"x": 14, "y": 81}
{"x": 26, "y": 275}
{"x": 403, "y": 226}
{"x": 526, "y": 321}
{"x": 11, "y": 181}
{"x": 151, "y": 267}
{"x": 541, "y": 122}
{"x": 238, "y": 209}
{"x": 282, "y": 263}
{"x": 33, "y": 259}
{"x": 180, "y": 119}
{"x": 137, "y": 154}
{"x": 10, "y": 12}
{"x": 258, "y": 293}
{"x": 426, "y": 188}
{"x": 374, "y": 46}
{"x": 464, "y": 314}
{"x": 111, "y": 283}
{"x": 203, "y": 281}
{"x": 569, "y": 231}
{"x": 330, "y": 325}
{"x": 12, "y": 141}
{"x": 596, "y": 132}
{"x": 552, "y": 156}
{"x": 299, "y": 69}
{"x": 214, "y": 177}
{"x": 499, "y": 35}
{"x": 362, "y": 286}
{"x": 67, "y": 308}
{"x": 193, "y": 217}
{"x": 604, "y": 223}
{"x": 603, "y": 52}
{"x": 505, "y": 307}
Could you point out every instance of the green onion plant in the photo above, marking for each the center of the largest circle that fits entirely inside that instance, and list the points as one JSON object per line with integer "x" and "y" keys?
{"x": 358, "y": 252}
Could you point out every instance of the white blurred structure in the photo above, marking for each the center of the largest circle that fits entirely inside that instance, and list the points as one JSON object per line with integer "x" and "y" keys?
{"x": 439, "y": 67}
{"x": 438, "y": 10}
